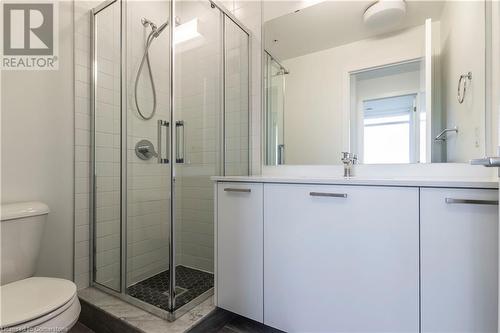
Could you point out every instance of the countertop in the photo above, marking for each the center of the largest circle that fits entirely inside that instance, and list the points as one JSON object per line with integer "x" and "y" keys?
{"x": 407, "y": 182}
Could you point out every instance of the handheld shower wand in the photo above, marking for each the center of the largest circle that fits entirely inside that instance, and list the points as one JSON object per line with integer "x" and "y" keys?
{"x": 155, "y": 32}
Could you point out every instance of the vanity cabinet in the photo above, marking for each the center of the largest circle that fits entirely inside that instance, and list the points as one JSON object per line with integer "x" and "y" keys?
{"x": 341, "y": 258}
{"x": 459, "y": 260}
{"x": 358, "y": 258}
{"x": 240, "y": 248}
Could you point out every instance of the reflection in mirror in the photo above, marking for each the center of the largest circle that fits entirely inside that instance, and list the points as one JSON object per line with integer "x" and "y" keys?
{"x": 388, "y": 114}
{"x": 275, "y": 92}
{"x": 398, "y": 85}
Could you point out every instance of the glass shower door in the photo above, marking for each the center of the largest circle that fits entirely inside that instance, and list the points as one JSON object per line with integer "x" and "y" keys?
{"x": 197, "y": 144}
{"x": 148, "y": 160}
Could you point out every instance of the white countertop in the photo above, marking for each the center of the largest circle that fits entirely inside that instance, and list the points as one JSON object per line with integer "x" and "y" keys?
{"x": 410, "y": 182}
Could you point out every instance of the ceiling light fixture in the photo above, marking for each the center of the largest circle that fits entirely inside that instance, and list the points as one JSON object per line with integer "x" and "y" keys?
{"x": 385, "y": 14}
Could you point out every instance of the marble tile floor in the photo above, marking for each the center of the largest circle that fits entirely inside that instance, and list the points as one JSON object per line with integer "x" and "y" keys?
{"x": 135, "y": 319}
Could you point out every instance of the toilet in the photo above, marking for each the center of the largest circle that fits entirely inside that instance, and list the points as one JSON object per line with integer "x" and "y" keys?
{"x": 27, "y": 303}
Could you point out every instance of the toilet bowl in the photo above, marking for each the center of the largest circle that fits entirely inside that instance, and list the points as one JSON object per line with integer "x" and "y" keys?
{"x": 30, "y": 304}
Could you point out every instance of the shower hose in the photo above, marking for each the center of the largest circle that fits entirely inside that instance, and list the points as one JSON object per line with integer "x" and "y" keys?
{"x": 145, "y": 58}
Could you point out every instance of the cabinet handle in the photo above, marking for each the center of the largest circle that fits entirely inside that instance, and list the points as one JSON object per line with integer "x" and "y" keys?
{"x": 471, "y": 201}
{"x": 331, "y": 195}
{"x": 241, "y": 190}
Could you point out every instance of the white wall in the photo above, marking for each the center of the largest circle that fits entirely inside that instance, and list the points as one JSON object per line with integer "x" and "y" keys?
{"x": 462, "y": 50}
{"x": 314, "y": 114}
{"x": 37, "y": 147}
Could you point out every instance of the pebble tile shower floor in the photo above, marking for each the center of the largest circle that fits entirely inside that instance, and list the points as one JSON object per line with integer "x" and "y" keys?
{"x": 154, "y": 290}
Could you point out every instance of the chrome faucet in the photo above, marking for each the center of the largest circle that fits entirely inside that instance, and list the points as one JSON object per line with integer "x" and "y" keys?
{"x": 349, "y": 159}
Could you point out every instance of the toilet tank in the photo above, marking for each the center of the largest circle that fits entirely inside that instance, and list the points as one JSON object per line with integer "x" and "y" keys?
{"x": 21, "y": 229}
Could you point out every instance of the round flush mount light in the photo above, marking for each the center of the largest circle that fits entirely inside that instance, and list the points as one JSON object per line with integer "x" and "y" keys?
{"x": 385, "y": 14}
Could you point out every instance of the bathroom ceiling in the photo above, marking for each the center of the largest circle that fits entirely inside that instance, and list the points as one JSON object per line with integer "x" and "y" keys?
{"x": 332, "y": 23}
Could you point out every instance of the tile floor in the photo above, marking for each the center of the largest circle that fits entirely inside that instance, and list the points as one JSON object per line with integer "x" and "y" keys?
{"x": 154, "y": 290}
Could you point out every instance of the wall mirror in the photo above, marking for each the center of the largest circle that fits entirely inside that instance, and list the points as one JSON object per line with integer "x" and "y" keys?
{"x": 391, "y": 81}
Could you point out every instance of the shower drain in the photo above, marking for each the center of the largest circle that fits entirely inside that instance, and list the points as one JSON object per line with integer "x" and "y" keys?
{"x": 178, "y": 291}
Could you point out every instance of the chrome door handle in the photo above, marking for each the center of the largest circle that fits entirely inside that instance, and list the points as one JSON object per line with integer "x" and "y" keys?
{"x": 281, "y": 154}
{"x": 471, "y": 201}
{"x": 179, "y": 139}
{"x": 331, "y": 195}
{"x": 166, "y": 124}
{"x": 241, "y": 190}
{"x": 488, "y": 162}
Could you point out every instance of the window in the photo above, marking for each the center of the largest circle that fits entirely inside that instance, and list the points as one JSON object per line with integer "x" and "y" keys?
{"x": 389, "y": 133}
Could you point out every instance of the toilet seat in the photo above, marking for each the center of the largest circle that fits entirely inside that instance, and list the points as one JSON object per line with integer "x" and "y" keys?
{"x": 44, "y": 303}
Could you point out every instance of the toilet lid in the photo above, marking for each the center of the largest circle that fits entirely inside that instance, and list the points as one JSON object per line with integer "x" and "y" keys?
{"x": 31, "y": 298}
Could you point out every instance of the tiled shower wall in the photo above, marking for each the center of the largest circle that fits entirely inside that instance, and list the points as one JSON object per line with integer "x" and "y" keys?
{"x": 148, "y": 202}
{"x": 107, "y": 148}
{"x": 148, "y": 182}
{"x": 82, "y": 140}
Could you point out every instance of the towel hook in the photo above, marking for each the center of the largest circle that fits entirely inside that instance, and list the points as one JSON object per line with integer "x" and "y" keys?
{"x": 462, "y": 89}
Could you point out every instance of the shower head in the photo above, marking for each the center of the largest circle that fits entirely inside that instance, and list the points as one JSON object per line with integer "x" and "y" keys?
{"x": 155, "y": 30}
{"x": 160, "y": 29}
{"x": 282, "y": 71}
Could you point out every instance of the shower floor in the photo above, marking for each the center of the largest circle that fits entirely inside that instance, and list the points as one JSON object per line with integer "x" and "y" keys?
{"x": 191, "y": 283}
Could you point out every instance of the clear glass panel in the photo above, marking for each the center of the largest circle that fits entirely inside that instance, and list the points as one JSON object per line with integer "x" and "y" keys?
{"x": 107, "y": 131}
{"x": 236, "y": 104}
{"x": 197, "y": 100}
{"x": 275, "y": 111}
{"x": 211, "y": 81}
{"x": 148, "y": 175}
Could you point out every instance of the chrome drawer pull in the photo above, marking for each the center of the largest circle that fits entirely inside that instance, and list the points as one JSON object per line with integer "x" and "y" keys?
{"x": 331, "y": 195}
{"x": 471, "y": 201}
{"x": 241, "y": 190}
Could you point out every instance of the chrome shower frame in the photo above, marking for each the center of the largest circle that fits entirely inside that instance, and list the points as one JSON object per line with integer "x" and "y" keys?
{"x": 121, "y": 293}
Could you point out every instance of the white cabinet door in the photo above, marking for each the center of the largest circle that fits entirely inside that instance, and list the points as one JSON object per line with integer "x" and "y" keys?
{"x": 459, "y": 261}
{"x": 240, "y": 248}
{"x": 341, "y": 264}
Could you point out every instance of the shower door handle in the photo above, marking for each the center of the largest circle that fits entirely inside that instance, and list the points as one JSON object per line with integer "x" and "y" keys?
{"x": 281, "y": 154}
{"x": 179, "y": 141}
{"x": 166, "y": 124}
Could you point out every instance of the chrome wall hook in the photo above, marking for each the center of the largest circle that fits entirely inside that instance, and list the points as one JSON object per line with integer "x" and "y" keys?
{"x": 462, "y": 88}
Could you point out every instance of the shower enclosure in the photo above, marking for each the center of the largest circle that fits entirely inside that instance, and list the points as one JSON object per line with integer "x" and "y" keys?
{"x": 170, "y": 109}
{"x": 274, "y": 81}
